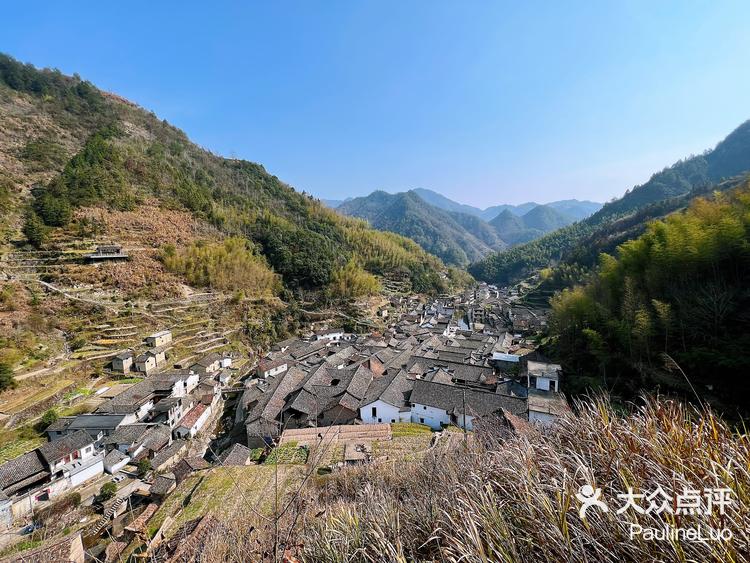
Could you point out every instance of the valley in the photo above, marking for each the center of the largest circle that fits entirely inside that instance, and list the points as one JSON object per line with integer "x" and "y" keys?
{"x": 199, "y": 362}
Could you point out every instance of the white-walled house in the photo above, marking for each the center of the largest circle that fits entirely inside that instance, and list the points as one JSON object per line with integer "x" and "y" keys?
{"x": 332, "y": 335}
{"x": 150, "y": 360}
{"x": 386, "y": 399}
{"x": 48, "y": 472}
{"x": 193, "y": 421}
{"x": 379, "y": 411}
{"x": 122, "y": 363}
{"x": 545, "y": 407}
{"x": 268, "y": 368}
{"x": 159, "y": 339}
{"x": 440, "y": 404}
{"x": 543, "y": 376}
{"x": 114, "y": 461}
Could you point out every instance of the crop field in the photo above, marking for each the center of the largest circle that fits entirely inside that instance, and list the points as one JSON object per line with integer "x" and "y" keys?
{"x": 223, "y": 490}
{"x": 16, "y": 448}
{"x": 21, "y": 398}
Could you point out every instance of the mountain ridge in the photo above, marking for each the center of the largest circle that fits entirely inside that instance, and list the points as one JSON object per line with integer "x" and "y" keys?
{"x": 577, "y": 209}
{"x": 668, "y": 190}
{"x": 442, "y": 233}
{"x": 67, "y": 147}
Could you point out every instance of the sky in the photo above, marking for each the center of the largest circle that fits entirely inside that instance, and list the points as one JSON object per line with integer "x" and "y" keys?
{"x": 484, "y": 102}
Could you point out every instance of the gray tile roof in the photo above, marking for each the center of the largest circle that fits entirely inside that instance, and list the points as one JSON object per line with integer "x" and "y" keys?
{"x": 236, "y": 455}
{"x": 266, "y": 400}
{"x": 127, "y": 434}
{"x": 393, "y": 389}
{"x": 327, "y": 387}
{"x": 61, "y": 424}
{"x": 450, "y": 398}
{"x": 24, "y": 469}
{"x": 55, "y": 451}
{"x": 170, "y": 451}
{"x": 163, "y": 483}
{"x": 459, "y": 371}
{"x": 113, "y": 457}
{"x": 96, "y": 421}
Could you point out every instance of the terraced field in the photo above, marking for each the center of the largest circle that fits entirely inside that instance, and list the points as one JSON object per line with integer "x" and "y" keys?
{"x": 226, "y": 490}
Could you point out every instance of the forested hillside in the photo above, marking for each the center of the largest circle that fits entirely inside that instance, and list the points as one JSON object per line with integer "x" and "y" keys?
{"x": 626, "y": 217}
{"x": 668, "y": 310}
{"x": 457, "y": 239}
{"x": 77, "y": 147}
{"x": 456, "y": 236}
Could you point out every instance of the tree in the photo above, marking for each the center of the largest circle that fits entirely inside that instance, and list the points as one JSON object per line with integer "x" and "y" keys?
{"x": 49, "y": 417}
{"x": 107, "y": 491}
{"x": 7, "y": 381}
{"x": 144, "y": 466}
{"x": 35, "y": 231}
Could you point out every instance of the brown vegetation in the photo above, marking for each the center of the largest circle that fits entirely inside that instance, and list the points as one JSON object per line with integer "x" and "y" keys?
{"x": 507, "y": 497}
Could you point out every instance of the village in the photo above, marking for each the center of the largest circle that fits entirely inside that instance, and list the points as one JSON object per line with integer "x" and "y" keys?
{"x": 443, "y": 365}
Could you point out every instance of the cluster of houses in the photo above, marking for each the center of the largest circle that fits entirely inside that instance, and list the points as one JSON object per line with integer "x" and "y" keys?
{"x": 151, "y": 419}
{"x": 452, "y": 361}
{"x": 448, "y": 362}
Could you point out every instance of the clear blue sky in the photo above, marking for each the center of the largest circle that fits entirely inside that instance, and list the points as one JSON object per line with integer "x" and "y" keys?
{"x": 485, "y": 102}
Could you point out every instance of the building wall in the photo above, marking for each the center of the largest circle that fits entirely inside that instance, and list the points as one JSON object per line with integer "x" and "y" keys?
{"x": 146, "y": 366}
{"x": 6, "y": 514}
{"x": 122, "y": 365}
{"x": 546, "y": 384}
{"x": 183, "y": 432}
{"x": 543, "y": 418}
{"x": 89, "y": 473}
{"x": 431, "y": 416}
{"x": 383, "y": 413}
{"x": 161, "y": 340}
{"x": 333, "y": 337}
{"x": 275, "y": 371}
{"x": 144, "y": 410}
{"x": 115, "y": 467}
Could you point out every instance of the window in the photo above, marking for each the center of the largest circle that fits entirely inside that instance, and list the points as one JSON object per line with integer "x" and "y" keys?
{"x": 374, "y": 411}
{"x": 392, "y": 420}
{"x": 334, "y": 382}
{"x": 421, "y": 420}
{"x": 380, "y": 420}
{"x": 424, "y": 407}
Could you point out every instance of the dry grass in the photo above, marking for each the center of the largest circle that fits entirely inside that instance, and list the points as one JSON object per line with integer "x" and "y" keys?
{"x": 506, "y": 497}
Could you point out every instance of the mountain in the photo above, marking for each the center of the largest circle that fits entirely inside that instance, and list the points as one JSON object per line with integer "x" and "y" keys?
{"x": 512, "y": 228}
{"x": 618, "y": 221}
{"x": 539, "y": 220}
{"x": 480, "y": 229}
{"x": 454, "y": 237}
{"x": 679, "y": 288}
{"x": 442, "y": 202}
{"x": 546, "y": 218}
{"x": 573, "y": 208}
{"x": 457, "y": 238}
{"x": 76, "y": 163}
{"x": 495, "y": 210}
{"x": 334, "y": 203}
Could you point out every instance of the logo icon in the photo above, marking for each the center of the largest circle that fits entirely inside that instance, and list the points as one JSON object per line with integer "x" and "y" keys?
{"x": 590, "y": 497}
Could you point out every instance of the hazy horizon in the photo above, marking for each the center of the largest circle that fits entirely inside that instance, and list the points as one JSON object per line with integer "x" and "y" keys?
{"x": 457, "y": 200}
{"x": 485, "y": 104}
